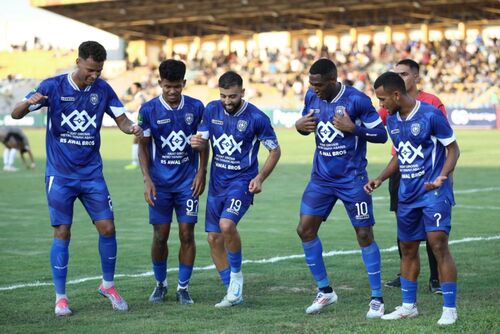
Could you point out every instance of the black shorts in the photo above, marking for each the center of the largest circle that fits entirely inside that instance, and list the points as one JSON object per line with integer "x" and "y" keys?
{"x": 393, "y": 190}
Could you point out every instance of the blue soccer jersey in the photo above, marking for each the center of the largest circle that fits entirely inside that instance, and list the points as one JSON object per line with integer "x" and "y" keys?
{"x": 340, "y": 157}
{"x": 420, "y": 141}
{"x": 74, "y": 118}
{"x": 235, "y": 141}
{"x": 173, "y": 163}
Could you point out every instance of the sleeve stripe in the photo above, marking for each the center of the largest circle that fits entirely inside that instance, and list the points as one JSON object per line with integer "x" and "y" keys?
{"x": 147, "y": 133}
{"x": 117, "y": 111}
{"x": 204, "y": 134}
{"x": 447, "y": 141}
{"x": 373, "y": 124}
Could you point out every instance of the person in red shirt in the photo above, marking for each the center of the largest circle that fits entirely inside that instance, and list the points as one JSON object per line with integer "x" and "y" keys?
{"x": 409, "y": 71}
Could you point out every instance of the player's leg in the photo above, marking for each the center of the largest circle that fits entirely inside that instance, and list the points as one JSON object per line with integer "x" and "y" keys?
{"x": 61, "y": 194}
{"x": 317, "y": 203}
{"x": 394, "y": 181}
{"x": 434, "y": 285}
{"x": 410, "y": 232}
{"x": 438, "y": 226}
{"x": 160, "y": 217}
{"x": 97, "y": 201}
{"x": 359, "y": 208}
{"x": 11, "y": 159}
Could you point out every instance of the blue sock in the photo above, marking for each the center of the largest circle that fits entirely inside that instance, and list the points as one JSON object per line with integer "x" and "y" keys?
{"x": 449, "y": 294}
{"x": 313, "y": 251}
{"x": 107, "y": 250}
{"x": 225, "y": 276}
{"x": 371, "y": 258}
{"x": 234, "y": 261}
{"x": 408, "y": 290}
{"x": 59, "y": 258}
{"x": 160, "y": 270}
{"x": 185, "y": 272}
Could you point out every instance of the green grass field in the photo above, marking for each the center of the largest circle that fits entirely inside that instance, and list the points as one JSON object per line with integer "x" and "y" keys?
{"x": 275, "y": 293}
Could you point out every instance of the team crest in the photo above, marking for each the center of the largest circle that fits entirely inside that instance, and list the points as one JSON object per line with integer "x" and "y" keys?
{"x": 94, "y": 98}
{"x": 242, "y": 125}
{"x": 189, "y": 118}
{"x": 415, "y": 129}
{"x": 340, "y": 111}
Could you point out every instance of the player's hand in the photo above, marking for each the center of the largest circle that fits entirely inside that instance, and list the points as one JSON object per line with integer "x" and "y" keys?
{"x": 198, "y": 186}
{"x": 198, "y": 143}
{"x": 307, "y": 123}
{"x": 255, "y": 185}
{"x": 372, "y": 185}
{"x": 438, "y": 182}
{"x": 136, "y": 130}
{"x": 37, "y": 98}
{"x": 149, "y": 192}
{"x": 344, "y": 123}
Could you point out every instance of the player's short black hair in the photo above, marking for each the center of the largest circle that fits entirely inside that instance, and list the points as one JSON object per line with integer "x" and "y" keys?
{"x": 230, "y": 79}
{"x": 413, "y": 65}
{"x": 172, "y": 70}
{"x": 92, "y": 49}
{"x": 325, "y": 67}
{"x": 391, "y": 82}
{"x": 137, "y": 84}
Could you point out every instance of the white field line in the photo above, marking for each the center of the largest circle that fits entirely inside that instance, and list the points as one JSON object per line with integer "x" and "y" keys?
{"x": 211, "y": 267}
{"x": 457, "y": 192}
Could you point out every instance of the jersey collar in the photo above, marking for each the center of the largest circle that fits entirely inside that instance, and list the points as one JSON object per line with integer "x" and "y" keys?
{"x": 168, "y": 107}
{"x": 412, "y": 113}
{"x": 74, "y": 85}
{"x": 339, "y": 94}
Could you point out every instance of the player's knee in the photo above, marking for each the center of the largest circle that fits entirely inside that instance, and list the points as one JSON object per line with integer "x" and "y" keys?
{"x": 186, "y": 237}
{"x": 365, "y": 237}
{"x": 440, "y": 249}
{"x": 160, "y": 238}
{"x": 214, "y": 239}
{"x": 62, "y": 232}
{"x": 107, "y": 230}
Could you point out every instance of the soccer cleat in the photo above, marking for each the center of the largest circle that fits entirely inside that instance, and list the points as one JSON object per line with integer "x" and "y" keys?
{"x": 131, "y": 167}
{"x": 226, "y": 303}
{"x": 10, "y": 169}
{"x": 435, "y": 287}
{"x": 235, "y": 289}
{"x": 322, "y": 300}
{"x": 159, "y": 293}
{"x": 395, "y": 283}
{"x": 62, "y": 308}
{"x": 376, "y": 309}
{"x": 183, "y": 297}
{"x": 402, "y": 312}
{"x": 116, "y": 300}
{"x": 449, "y": 316}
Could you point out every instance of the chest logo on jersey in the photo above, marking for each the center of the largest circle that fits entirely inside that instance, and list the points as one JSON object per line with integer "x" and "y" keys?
{"x": 218, "y": 122}
{"x": 227, "y": 144}
{"x": 242, "y": 125}
{"x": 94, "y": 99}
{"x": 79, "y": 120}
{"x": 68, "y": 98}
{"x": 189, "y": 118}
{"x": 327, "y": 132}
{"x": 415, "y": 129}
{"x": 163, "y": 121}
{"x": 407, "y": 153}
{"x": 340, "y": 111}
{"x": 176, "y": 141}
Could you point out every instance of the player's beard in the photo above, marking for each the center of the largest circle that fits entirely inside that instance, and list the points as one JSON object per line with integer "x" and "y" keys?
{"x": 235, "y": 108}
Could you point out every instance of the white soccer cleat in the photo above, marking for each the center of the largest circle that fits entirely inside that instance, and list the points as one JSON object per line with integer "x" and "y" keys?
{"x": 376, "y": 309}
{"x": 402, "y": 312}
{"x": 62, "y": 308}
{"x": 235, "y": 289}
{"x": 322, "y": 300}
{"x": 226, "y": 303}
{"x": 449, "y": 316}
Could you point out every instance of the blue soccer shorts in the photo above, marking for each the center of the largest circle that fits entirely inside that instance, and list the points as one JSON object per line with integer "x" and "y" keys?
{"x": 232, "y": 205}
{"x": 62, "y": 193}
{"x": 319, "y": 199}
{"x": 185, "y": 205}
{"x": 414, "y": 223}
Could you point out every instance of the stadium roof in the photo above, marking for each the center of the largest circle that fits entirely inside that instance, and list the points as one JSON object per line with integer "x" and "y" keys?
{"x": 161, "y": 19}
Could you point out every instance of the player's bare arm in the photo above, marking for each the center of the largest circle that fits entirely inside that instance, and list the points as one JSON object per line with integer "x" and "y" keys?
{"x": 128, "y": 127}
{"x": 452, "y": 155}
{"x": 392, "y": 167}
{"x": 149, "y": 187}
{"x": 306, "y": 124}
{"x": 21, "y": 109}
{"x": 198, "y": 143}
{"x": 199, "y": 181}
{"x": 255, "y": 185}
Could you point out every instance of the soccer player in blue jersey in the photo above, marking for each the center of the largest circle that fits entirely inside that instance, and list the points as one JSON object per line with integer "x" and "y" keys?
{"x": 235, "y": 129}
{"x": 174, "y": 174}
{"x": 427, "y": 153}
{"x": 343, "y": 121}
{"x": 76, "y": 104}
